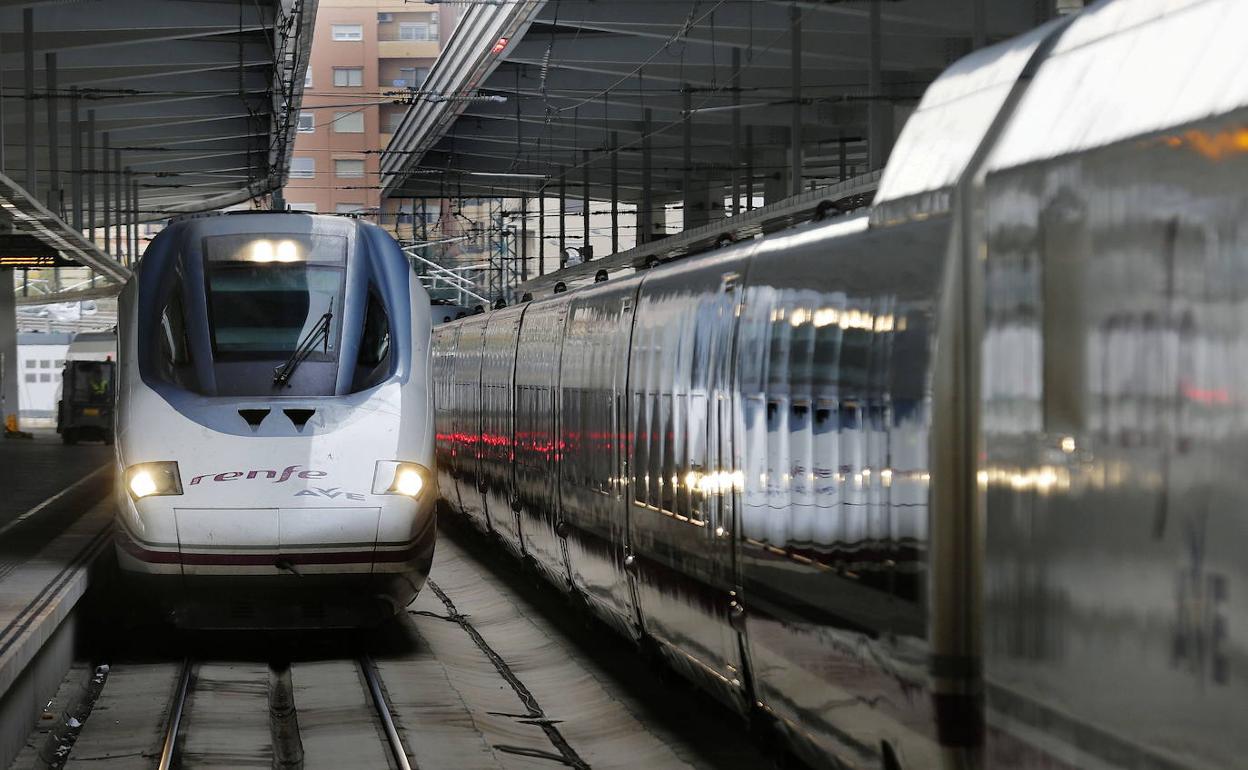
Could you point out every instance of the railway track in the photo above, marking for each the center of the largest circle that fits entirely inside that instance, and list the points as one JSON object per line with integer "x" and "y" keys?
{"x": 287, "y": 744}
{"x": 471, "y": 676}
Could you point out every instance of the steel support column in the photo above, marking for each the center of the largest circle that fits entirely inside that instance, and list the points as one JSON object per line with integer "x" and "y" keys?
{"x": 736, "y": 131}
{"x": 28, "y": 90}
{"x": 8, "y": 351}
{"x": 90, "y": 173}
{"x": 106, "y": 182}
{"x": 686, "y": 156}
{"x": 541, "y": 231}
{"x": 749, "y": 168}
{"x": 4, "y": 166}
{"x": 134, "y": 216}
{"x": 979, "y": 23}
{"x": 563, "y": 225}
{"x": 795, "y": 118}
{"x": 55, "y": 199}
{"x": 645, "y": 216}
{"x": 615, "y": 193}
{"x": 524, "y": 238}
{"x": 587, "y": 251}
{"x": 879, "y": 122}
{"x": 119, "y": 202}
{"x": 75, "y": 158}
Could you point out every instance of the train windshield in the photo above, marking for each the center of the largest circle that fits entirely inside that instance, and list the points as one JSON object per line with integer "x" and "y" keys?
{"x": 266, "y": 294}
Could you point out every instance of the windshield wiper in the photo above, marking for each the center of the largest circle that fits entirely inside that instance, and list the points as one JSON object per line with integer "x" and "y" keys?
{"x": 283, "y": 373}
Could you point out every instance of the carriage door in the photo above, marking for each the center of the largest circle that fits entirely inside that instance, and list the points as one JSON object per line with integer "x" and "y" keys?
{"x": 680, "y": 513}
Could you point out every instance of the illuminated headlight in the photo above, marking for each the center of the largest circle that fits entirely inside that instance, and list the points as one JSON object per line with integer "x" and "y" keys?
{"x": 400, "y": 478}
{"x": 153, "y": 479}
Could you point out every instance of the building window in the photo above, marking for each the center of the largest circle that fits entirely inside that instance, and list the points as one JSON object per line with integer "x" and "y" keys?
{"x": 307, "y": 123}
{"x": 349, "y": 122}
{"x": 32, "y": 377}
{"x": 302, "y": 168}
{"x": 349, "y": 208}
{"x": 307, "y": 78}
{"x": 45, "y": 378}
{"x": 60, "y": 363}
{"x": 346, "y": 32}
{"x": 412, "y": 77}
{"x": 348, "y": 76}
{"x": 30, "y": 363}
{"x": 306, "y": 207}
{"x": 417, "y": 30}
{"x": 45, "y": 364}
{"x": 349, "y": 168}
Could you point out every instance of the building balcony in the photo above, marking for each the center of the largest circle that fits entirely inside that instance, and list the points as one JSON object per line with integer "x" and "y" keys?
{"x": 408, "y": 49}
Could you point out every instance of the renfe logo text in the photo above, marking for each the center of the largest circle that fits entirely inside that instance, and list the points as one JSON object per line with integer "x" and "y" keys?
{"x": 286, "y": 473}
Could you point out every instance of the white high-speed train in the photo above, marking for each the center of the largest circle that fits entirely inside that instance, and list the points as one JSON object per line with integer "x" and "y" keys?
{"x": 274, "y": 422}
{"x": 955, "y": 483}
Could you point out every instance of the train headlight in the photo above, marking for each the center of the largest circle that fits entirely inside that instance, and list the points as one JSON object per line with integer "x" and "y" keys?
{"x": 153, "y": 479}
{"x": 400, "y": 478}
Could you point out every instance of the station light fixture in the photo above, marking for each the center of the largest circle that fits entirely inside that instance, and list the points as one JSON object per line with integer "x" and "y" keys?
{"x": 153, "y": 479}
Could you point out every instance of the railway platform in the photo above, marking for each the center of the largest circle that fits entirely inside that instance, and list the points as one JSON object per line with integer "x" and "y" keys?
{"x": 54, "y": 522}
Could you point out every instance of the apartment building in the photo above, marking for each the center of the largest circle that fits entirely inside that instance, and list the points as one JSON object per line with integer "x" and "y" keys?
{"x": 361, "y": 50}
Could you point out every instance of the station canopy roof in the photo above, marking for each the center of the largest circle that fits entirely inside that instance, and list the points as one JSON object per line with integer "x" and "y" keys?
{"x": 528, "y": 91}
{"x": 198, "y": 96}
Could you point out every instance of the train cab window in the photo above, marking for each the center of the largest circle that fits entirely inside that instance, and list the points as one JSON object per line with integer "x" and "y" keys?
{"x": 267, "y": 295}
{"x": 372, "y": 362}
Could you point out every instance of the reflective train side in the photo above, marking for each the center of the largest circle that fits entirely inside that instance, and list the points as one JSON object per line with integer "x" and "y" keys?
{"x": 274, "y": 431}
{"x": 952, "y": 484}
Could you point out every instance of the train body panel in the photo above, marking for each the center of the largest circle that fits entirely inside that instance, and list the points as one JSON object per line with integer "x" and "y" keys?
{"x": 593, "y": 467}
{"x": 498, "y": 366}
{"x": 466, "y": 406}
{"x": 445, "y": 339}
{"x": 541, "y": 442}
{"x": 681, "y": 523}
{"x": 242, "y": 471}
{"x": 833, "y": 402}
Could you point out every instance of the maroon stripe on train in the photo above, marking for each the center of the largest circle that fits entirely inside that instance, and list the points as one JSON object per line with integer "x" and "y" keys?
{"x": 266, "y": 559}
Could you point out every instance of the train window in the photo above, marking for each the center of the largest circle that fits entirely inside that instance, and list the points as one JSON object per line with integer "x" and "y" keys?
{"x": 641, "y": 449}
{"x": 174, "y": 343}
{"x": 374, "y": 356}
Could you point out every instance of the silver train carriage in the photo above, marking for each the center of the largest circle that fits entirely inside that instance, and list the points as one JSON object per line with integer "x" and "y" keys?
{"x": 274, "y": 424}
{"x": 954, "y": 483}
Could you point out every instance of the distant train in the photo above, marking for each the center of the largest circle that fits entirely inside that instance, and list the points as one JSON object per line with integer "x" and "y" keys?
{"x": 957, "y": 482}
{"x": 274, "y": 425}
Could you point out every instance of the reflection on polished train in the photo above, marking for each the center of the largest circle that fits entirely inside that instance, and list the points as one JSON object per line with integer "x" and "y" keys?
{"x": 954, "y": 482}
{"x": 274, "y": 429}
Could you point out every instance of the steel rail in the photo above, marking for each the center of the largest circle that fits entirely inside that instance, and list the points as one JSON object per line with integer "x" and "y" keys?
{"x": 383, "y": 710}
{"x": 175, "y": 717}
